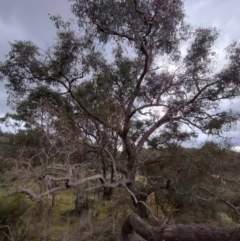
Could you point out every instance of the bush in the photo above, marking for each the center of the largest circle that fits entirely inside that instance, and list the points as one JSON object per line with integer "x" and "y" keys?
{"x": 11, "y": 210}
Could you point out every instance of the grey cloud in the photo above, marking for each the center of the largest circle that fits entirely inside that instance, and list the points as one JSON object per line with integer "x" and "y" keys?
{"x": 29, "y": 20}
{"x": 223, "y": 15}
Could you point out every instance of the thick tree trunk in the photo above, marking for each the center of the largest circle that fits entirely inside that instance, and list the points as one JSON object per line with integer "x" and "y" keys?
{"x": 180, "y": 232}
{"x": 131, "y": 172}
{"x": 140, "y": 209}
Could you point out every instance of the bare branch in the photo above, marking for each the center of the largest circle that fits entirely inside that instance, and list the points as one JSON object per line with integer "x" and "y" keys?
{"x": 69, "y": 184}
{"x": 180, "y": 232}
{"x": 222, "y": 200}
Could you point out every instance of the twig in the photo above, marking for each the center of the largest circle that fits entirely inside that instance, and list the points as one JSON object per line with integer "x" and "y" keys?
{"x": 9, "y": 230}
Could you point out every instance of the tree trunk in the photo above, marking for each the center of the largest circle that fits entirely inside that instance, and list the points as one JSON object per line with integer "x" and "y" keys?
{"x": 107, "y": 193}
{"x": 179, "y": 232}
{"x": 140, "y": 209}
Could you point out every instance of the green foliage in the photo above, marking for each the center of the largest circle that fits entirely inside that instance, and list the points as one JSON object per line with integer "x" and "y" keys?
{"x": 11, "y": 208}
{"x": 172, "y": 135}
{"x": 33, "y": 101}
{"x": 11, "y": 211}
{"x": 198, "y": 180}
{"x": 111, "y": 15}
{"x": 15, "y": 143}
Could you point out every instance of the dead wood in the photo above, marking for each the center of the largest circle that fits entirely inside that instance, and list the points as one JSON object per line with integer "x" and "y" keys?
{"x": 179, "y": 232}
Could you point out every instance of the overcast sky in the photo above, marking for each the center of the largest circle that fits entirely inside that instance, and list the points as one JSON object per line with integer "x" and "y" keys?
{"x": 29, "y": 20}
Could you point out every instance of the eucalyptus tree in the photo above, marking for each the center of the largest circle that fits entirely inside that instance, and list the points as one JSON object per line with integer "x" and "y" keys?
{"x": 156, "y": 85}
{"x": 125, "y": 69}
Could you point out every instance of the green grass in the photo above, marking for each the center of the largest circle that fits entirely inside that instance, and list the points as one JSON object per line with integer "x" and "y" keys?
{"x": 63, "y": 224}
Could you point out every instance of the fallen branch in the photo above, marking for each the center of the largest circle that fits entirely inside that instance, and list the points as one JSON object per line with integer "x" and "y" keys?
{"x": 36, "y": 197}
{"x": 69, "y": 184}
{"x": 179, "y": 232}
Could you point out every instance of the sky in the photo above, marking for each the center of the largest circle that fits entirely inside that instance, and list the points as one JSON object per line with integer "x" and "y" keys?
{"x": 29, "y": 20}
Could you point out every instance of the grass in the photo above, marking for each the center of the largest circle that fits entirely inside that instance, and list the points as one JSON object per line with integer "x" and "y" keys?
{"x": 62, "y": 225}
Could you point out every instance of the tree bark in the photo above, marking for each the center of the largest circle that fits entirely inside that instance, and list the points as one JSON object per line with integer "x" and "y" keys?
{"x": 107, "y": 193}
{"x": 179, "y": 232}
{"x": 141, "y": 210}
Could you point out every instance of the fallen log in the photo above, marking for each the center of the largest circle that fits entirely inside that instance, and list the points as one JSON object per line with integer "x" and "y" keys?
{"x": 179, "y": 232}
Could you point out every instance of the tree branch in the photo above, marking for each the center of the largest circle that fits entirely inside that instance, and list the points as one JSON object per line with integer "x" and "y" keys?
{"x": 180, "y": 232}
{"x": 69, "y": 184}
{"x": 166, "y": 118}
{"x": 222, "y": 200}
